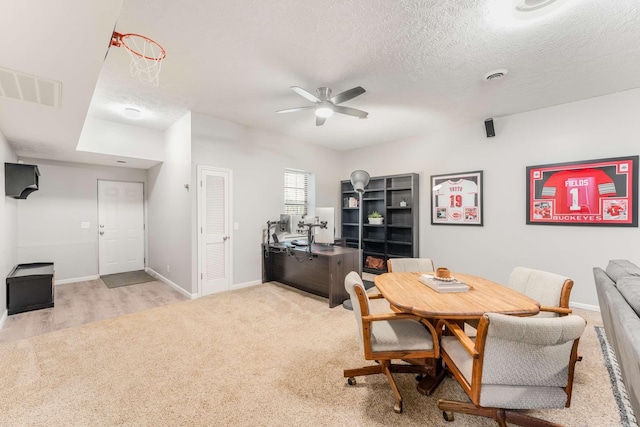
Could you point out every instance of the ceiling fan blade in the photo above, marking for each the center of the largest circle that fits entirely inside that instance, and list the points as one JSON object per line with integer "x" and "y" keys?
{"x": 291, "y": 110}
{"x": 320, "y": 120}
{"x": 303, "y": 93}
{"x": 347, "y": 95}
{"x": 351, "y": 111}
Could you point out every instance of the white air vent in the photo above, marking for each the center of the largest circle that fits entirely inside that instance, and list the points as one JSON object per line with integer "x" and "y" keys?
{"x": 25, "y": 87}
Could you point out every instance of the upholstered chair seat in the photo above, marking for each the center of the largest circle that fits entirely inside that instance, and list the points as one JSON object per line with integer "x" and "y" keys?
{"x": 513, "y": 363}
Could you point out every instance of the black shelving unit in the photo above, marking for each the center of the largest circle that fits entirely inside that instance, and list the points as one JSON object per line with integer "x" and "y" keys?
{"x": 396, "y": 198}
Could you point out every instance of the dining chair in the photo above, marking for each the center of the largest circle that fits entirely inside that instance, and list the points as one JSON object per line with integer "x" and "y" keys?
{"x": 551, "y": 290}
{"x": 400, "y": 265}
{"x": 389, "y": 336}
{"x": 515, "y": 363}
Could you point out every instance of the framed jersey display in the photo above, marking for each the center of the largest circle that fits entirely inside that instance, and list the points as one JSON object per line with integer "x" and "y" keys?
{"x": 592, "y": 192}
{"x": 457, "y": 198}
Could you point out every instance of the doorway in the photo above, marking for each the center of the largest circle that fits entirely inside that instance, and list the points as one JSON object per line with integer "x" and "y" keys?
{"x": 120, "y": 226}
{"x": 214, "y": 237}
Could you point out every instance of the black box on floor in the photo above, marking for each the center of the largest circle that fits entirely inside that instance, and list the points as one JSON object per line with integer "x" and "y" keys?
{"x": 30, "y": 287}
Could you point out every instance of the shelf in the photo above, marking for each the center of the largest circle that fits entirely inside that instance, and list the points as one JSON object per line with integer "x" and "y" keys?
{"x": 398, "y": 235}
{"x": 373, "y": 270}
{"x": 378, "y": 254}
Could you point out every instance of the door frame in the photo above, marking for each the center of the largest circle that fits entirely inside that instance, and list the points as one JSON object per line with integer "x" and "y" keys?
{"x": 200, "y": 169}
{"x": 144, "y": 217}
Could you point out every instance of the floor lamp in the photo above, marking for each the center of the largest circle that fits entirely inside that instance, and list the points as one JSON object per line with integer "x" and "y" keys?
{"x": 359, "y": 180}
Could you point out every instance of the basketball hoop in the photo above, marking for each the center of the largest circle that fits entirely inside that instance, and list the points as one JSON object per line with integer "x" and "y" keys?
{"x": 146, "y": 56}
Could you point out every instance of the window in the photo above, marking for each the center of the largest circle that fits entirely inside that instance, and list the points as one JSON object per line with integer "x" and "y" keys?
{"x": 297, "y": 192}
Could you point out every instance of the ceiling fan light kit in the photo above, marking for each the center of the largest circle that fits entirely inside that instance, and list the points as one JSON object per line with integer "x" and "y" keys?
{"x": 324, "y": 109}
{"x": 326, "y": 105}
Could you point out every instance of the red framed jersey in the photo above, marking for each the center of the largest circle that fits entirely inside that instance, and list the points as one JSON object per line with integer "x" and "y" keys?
{"x": 579, "y": 190}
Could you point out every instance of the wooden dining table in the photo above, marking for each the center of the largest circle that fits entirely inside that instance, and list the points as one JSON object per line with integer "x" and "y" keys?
{"x": 406, "y": 293}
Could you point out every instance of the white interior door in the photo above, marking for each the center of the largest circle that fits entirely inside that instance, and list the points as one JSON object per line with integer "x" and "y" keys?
{"x": 214, "y": 224}
{"x": 120, "y": 226}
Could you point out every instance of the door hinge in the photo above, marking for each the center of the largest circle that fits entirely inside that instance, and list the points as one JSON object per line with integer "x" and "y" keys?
{"x": 201, "y": 276}
{"x": 200, "y": 183}
{"x": 200, "y": 230}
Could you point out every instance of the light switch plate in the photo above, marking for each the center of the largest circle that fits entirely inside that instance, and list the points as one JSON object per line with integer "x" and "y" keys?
{"x": 85, "y": 224}
{"x": 236, "y": 226}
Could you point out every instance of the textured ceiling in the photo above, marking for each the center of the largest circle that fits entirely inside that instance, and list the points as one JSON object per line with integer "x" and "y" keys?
{"x": 422, "y": 62}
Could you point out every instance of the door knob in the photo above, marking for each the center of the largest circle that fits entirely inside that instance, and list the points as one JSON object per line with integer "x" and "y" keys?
{"x": 101, "y": 233}
{"x": 225, "y": 238}
{"x": 101, "y": 226}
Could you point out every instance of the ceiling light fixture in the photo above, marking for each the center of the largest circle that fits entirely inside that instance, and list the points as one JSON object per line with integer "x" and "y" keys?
{"x": 528, "y": 9}
{"x": 324, "y": 109}
{"x": 132, "y": 113}
{"x": 496, "y": 74}
{"x": 121, "y": 161}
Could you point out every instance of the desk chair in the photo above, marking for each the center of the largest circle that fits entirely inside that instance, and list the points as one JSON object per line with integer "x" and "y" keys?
{"x": 399, "y": 265}
{"x": 384, "y": 337}
{"x": 499, "y": 373}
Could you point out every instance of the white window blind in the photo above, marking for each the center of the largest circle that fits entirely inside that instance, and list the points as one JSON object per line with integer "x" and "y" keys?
{"x": 296, "y": 192}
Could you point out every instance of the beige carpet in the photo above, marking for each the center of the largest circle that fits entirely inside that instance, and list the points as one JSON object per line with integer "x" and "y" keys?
{"x": 261, "y": 356}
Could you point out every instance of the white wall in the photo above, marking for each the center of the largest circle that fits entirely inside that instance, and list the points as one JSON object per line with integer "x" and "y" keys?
{"x": 601, "y": 127}
{"x": 8, "y": 228}
{"x": 169, "y": 203}
{"x": 258, "y": 159}
{"x": 104, "y": 137}
{"x": 49, "y": 219}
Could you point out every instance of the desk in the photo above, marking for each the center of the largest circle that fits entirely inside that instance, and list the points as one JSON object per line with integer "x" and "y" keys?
{"x": 321, "y": 273}
{"x": 406, "y": 293}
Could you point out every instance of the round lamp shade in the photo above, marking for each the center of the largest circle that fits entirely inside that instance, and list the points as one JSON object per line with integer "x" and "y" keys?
{"x": 359, "y": 180}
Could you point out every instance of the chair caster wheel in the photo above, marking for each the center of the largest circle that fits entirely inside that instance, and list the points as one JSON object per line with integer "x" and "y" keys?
{"x": 351, "y": 381}
{"x": 398, "y": 407}
{"x": 448, "y": 416}
{"x": 419, "y": 377}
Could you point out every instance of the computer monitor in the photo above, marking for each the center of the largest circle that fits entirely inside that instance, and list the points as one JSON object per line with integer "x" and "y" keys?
{"x": 325, "y": 235}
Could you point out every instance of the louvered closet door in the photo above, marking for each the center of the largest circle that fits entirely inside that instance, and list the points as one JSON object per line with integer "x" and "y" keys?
{"x": 215, "y": 238}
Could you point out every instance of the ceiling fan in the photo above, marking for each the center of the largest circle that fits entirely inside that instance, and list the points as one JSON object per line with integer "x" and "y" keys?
{"x": 326, "y": 105}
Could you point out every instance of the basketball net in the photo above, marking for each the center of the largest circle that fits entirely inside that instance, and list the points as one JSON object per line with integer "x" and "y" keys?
{"x": 146, "y": 56}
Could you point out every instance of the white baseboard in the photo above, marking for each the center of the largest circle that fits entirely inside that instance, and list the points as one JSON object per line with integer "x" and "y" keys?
{"x": 76, "y": 279}
{"x": 3, "y": 318}
{"x": 170, "y": 283}
{"x": 246, "y": 284}
{"x": 584, "y": 306}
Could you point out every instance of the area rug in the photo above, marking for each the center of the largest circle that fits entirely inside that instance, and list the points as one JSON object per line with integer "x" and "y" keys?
{"x": 627, "y": 417}
{"x": 126, "y": 279}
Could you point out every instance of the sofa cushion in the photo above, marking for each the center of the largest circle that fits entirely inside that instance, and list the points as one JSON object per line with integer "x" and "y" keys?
{"x": 619, "y": 268}
{"x": 629, "y": 287}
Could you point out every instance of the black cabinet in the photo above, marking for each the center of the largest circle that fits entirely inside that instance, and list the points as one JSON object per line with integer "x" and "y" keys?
{"x": 30, "y": 287}
{"x": 396, "y": 198}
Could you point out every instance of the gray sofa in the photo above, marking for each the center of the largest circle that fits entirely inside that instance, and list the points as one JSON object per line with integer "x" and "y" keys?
{"x": 619, "y": 298}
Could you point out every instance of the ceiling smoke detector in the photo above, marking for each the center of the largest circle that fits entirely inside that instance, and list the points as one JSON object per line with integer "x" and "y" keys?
{"x": 496, "y": 74}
